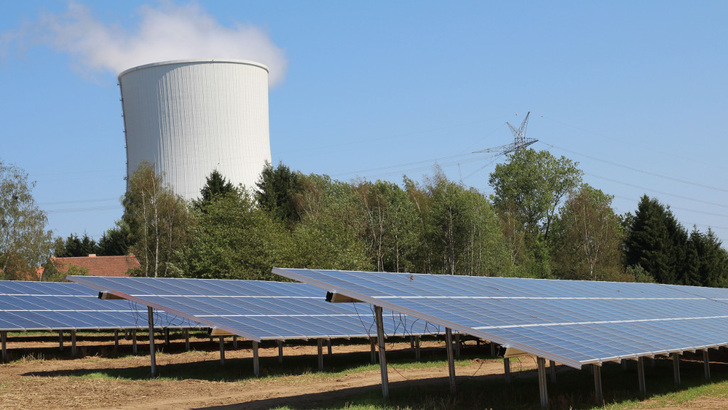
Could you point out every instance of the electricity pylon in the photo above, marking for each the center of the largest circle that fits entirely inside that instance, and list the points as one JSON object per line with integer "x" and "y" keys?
{"x": 519, "y": 142}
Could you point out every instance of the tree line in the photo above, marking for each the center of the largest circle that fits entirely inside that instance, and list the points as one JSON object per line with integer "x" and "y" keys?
{"x": 541, "y": 221}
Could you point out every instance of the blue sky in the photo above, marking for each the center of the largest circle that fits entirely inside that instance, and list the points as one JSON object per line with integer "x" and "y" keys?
{"x": 635, "y": 92}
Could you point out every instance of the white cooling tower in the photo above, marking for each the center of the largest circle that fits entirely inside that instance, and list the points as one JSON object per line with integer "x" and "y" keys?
{"x": 192, "y": 117}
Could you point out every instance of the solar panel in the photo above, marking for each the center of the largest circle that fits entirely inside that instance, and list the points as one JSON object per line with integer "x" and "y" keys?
{"x": 570, "y": 322}
{"x": 257, "y": 310}
{"x": 36, "y": 306}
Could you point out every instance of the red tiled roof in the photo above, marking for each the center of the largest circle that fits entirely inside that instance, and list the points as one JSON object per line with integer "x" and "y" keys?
{"x": 99, "y": 265}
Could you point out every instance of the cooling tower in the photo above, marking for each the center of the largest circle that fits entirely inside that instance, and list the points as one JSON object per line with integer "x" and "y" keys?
{"x": 192, "y": 117}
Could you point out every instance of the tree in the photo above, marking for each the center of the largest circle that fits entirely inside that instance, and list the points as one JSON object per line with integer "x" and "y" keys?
{"x": 232, "y": 239}
{"x": 533, "y": 183}
{"x": 158, "y": 220}
{"x": 277, "y": 193}
{"x": 657, "y": 242}
{"x": 215, "y": 186}
{"x": 116, "y": 241}
{"x": 588, "y": 237}
{"x": 73, "y": 246}
{"x": 24, "y": 241}
{"x": 706, "y": 261}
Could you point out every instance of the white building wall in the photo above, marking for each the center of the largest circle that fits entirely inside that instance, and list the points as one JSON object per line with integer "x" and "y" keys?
{"x": 189, "y": 118}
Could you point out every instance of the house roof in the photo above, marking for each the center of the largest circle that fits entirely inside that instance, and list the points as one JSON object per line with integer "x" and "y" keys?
{"x": 99, "y": 265}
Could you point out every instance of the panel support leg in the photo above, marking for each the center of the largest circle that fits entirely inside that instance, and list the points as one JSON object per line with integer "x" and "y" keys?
{"x": 542, "y": 390}
{"x": 166, "y": 336}
{"x": 280, "y": 351}
{"x": 552, "y": 369}
{"x": 706, "y": 364}
{"x": 641, "y": 376}
{"x": 222, "y": 350}
{"x": 256, "y": 360}
{"x": 372, "y": 343}
{"x": 417, "y": 348}
{"x": 152, "y": 348}
{"x": 624, "y": 364}
{"x": 676, "y": 368}
{"x": 60, "y": 340}
{"x": 492, "y": 349}
{"x": 133, "y": 341}
{"x": 187, "y": 339}
{"x": 597, "y": 384}
{"x": 73, "y": 343}
{"x": 4, "y": 337}
{"x": 116, "y": 340}
{"x": 235, "y": 342}
{"x": 320, "y": 346}
{"x": 328, "y": 345}
{"x": 450, "y": 360}
{"x": 507, "y": 369}
{"x": 457, "y": 345}
{"x": 382, "y": 351}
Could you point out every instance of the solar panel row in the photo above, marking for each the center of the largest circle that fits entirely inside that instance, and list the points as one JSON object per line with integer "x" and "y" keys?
{"x": 257, "y": 310}
{"x": 571, "y": 322}
{"x": 42, "y": 306}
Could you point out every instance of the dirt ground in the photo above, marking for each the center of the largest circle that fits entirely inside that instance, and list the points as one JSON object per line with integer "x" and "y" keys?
{"x": 38, "y": 376}
{"x": 35, "y": 381}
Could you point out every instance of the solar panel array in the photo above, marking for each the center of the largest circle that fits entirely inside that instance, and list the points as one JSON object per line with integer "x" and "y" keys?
{"x": 571, "y": 322}
{"x": 35, "y": 306}
{"x": 257, "y": 310}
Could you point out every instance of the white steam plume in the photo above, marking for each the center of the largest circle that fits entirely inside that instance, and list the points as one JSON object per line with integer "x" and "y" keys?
{"x": 168, "y": 32}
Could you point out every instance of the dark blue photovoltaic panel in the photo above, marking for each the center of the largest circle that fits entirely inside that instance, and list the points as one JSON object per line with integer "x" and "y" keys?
{"x": 571, "y": 322}
{"x": 258, "y": 310}
{"x": 32, "y": 306}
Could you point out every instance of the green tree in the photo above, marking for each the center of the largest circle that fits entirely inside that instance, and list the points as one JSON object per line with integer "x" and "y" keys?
{"x": 657, "y": 242}
{"x": 588, "y": 237}
{"x": 116, "y": 241}
{"x": 24, "y": 241}
{"x": 278, "y": 191}
{"x": 533, "y": 183}
{"x": 215, "y": 185}
{"x": 158, "y": 220}
{"x": 232, "y": 239}
{"x": 73, "y": 246}
{"x": 706, "y": 261}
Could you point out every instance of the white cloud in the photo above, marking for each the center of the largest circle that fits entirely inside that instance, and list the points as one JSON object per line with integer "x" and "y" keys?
{"x": 167, "y": 32}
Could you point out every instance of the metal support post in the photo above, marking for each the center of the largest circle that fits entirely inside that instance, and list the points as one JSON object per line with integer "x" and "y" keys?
{"x": 328, "y": 344}
{"x": 457, "y": 345}
{"x": 382, "y": 351}
{"x": 372, "y": 343}
{"x": 492, "y": 349}
{"x": 4, "y": 337}
{"x": 60, "y": 340}
{"x": 73, "y": 343}
{"x": 676, "y": 368}
{"x": 552, "y": 368}
{"x": 320, "y": 346}
{"x": 507, "y": 369}
{"x": 417, "y": 348}
{"x": 116, "y": 340}
{"x": 152, "y": 348}
{"x": 235, "y": 342}
{"x": 641, "y": 376}
{"x": 280, "y": 351}
{"x": 222, "y": 350}
{"x": 256, "y": 360}
{"x": 166, "y": 336}
{"x": 187, "y": 339}
{"x": 597, "y": 384}
{"x": 542, "y": 390}
{"x": 133, "y": 341}
{"x": 706, "y": 364}
{"x": 450, "y": 360}
{"x": 624, "y": 364}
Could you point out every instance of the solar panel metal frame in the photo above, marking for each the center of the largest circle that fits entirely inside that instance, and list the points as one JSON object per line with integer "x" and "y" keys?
{"x": 547, "y": 318}
{"x": 172, "y": 294}
{"x": 60, "y": 306}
